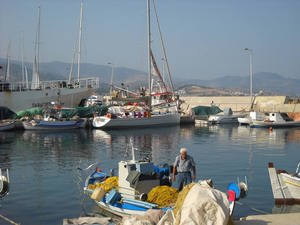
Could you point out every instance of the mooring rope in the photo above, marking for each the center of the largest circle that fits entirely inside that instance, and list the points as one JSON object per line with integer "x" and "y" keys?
{"x": 8, "y": 220}
{"x": 257, "y": 210}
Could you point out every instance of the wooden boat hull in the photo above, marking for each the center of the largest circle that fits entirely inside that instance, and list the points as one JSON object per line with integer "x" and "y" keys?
{"x": 285, "y": 186}
{"x": 155, "y": 120}
{"x": 53, "y": 125}
{"x": 122, "y": 209}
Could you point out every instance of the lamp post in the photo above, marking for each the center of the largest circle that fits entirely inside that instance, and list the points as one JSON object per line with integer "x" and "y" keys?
{"x": 112, "y": 76}
{"x": 251, "y": 71}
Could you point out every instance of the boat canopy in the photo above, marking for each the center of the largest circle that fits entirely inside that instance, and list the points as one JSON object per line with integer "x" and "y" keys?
{"x": 5, "y": 113}
{"x": 206, "y": 110}
{"x": 65, "y": 112}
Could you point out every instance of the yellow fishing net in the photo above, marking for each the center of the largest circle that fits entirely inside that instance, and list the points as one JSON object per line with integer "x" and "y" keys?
{"x": 107, "y": 185}
{"x": 163, "y": 196}
{"x": 181, "y": 197}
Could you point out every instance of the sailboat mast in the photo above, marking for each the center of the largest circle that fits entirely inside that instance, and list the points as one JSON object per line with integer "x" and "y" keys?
{"x": 7, "y": 74}
{"x": 149, "y": 46}
{"x": 37, "y": 48}
{"x": 35, "y": 83}
{"x": 22, "y": 58}
{"x": 79, "y": 41}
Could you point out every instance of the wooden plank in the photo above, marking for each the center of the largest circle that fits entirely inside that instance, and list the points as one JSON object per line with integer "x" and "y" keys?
{"x": 275, "y": 184}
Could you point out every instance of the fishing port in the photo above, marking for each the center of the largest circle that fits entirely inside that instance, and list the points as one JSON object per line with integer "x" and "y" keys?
{"x": 149, "y": 112}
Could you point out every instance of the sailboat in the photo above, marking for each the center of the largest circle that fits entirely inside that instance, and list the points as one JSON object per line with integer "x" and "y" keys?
{"x": 19, "y": 95}
{"x": 138, "y": 112}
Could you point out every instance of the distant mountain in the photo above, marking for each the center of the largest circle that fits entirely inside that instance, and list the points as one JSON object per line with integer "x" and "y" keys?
{"x": 263, "y": 82}
{"x": 61, "y": 70}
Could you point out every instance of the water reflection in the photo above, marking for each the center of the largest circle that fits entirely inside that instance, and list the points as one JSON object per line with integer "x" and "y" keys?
{"x": 280, "y": 209}
{"x": 276, "y": 138}
{"x": 156, "y": 141}
{"x": 6, "y": 137}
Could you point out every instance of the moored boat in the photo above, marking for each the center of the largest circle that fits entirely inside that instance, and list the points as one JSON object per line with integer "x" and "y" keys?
{"x": 285, "y": 185}
{"x": 158, "y": 108}
{"x": 7, "y": 125}
{"x": 52, "y": 120}
{"x": 141, "y": 186}
{"x": 275, "y": 120}
{"x": 225, "y": 117}
{"x": 251, "y": 116}
{"x": 54, "y": 125}
{"x": 25, "y": 94}
{"x": 134, "y": 119}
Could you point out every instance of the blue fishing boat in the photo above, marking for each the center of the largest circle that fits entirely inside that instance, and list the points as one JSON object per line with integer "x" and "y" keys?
{"x": 54, "y": 125}
{"x": 129, "y": 193}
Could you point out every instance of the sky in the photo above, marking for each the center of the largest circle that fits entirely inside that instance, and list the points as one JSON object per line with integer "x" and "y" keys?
{"x": 204, "y": 39}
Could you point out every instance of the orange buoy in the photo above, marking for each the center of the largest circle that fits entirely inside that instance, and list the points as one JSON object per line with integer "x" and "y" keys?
{"x": 108, "y": 115}
{"x": 271, "y": 129}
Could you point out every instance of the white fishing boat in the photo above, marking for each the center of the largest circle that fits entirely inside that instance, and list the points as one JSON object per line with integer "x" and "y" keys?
{"x": 285, "y": 185}
{"x": 253, "y": 115}
{"x": 275, "y": 120}
{"x": 37, "y": 93}
{"x": 140, "y": 184}
{"x": 7, "y": 125}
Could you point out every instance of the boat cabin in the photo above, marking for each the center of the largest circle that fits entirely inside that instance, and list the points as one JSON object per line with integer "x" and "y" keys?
{"x": 136, "y": 178}
{"x": 277, "y": 117}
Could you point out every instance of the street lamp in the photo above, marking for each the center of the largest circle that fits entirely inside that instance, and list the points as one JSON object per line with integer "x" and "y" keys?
{"x": 251, "y": 71}
{"x": 112, "y": 76}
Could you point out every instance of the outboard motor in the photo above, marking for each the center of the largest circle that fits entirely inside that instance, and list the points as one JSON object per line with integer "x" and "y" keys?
{"x": 4, "y": 183}
{"x": 236, "y": 192}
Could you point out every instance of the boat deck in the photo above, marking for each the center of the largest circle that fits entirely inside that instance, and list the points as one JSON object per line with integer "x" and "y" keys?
{"x": 281, "y": 193}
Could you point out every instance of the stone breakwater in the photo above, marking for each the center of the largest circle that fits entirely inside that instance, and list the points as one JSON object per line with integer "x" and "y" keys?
{"x": 243, "y": 103}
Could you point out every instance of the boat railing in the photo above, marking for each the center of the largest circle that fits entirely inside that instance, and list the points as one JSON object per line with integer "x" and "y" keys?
{"x": 92, "y": 82}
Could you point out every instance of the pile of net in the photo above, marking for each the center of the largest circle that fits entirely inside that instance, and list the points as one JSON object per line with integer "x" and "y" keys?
{"x": 163, "y": 196}
{"x": 107, "y": 185}
{"x": 196, "y": 204}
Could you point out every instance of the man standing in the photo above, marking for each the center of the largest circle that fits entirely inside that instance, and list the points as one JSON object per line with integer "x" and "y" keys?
{"x": 186, "y": 168}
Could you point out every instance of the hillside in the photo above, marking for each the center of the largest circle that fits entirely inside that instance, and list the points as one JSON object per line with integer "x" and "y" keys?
{"x": 263, "y": 82}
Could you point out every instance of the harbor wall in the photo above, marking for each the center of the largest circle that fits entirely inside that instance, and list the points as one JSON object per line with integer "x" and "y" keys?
{"x": 242, "y": 103}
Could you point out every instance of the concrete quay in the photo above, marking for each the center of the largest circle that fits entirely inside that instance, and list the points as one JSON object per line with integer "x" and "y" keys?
{"x": 270, "y": 219}
{"x": 243, "y": 103}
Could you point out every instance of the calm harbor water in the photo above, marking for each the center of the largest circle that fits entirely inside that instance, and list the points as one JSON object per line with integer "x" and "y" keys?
{"x": 46, "y": 186}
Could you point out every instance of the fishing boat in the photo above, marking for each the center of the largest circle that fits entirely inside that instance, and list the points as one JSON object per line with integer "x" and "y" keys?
{"x": 136, "y": 178}
{"x": 275, "y": 120}
{"x": 7, "y": 125}
{"x": 253, "y": 115}
{"x": 5, "y": 122}
{"x": 285, "y": 185}
{"x": 139, "y": 178}
{"x": 53, "y": 125}
{"x": 152, "y": 113}
{"x": 37, "y": 93}
{"x": 52, "y": 120}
